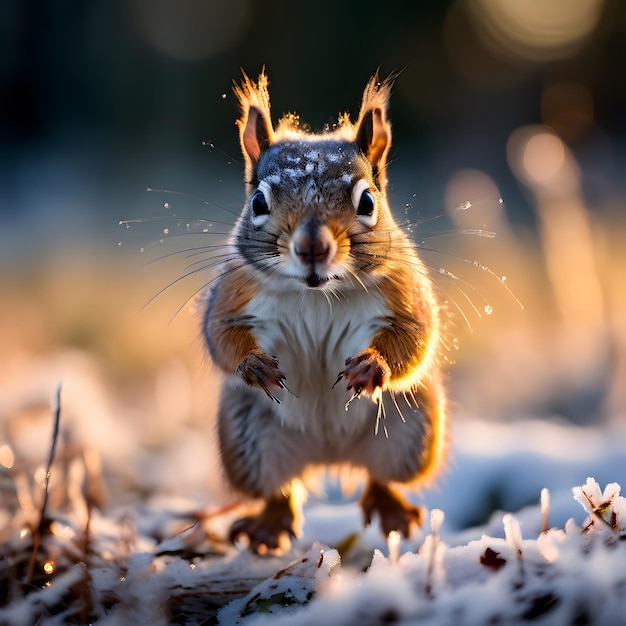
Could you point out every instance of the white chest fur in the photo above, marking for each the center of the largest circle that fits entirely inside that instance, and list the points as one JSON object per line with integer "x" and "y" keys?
{"x": 312, "y": 334}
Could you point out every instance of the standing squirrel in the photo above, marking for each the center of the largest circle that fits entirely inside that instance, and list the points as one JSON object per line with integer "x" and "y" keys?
{"x": 324, "y": 320}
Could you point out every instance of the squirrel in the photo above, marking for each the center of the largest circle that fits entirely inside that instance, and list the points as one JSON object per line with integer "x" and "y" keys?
{"x": 325, "y": 323}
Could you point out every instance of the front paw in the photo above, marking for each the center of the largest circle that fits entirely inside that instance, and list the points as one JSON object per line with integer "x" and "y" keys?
{"x": 259, "y": 369}
{"x": 367, "y": 372}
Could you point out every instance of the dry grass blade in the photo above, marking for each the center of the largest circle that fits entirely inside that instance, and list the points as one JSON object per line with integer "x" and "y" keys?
{"x": 38, "y": 531}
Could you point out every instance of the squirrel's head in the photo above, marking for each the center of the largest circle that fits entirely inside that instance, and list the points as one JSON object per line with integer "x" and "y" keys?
{"x": 317, "y": 209}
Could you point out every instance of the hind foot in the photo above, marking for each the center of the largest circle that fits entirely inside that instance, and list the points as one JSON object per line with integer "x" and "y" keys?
{"x": 271, "y": 530}
{"x": 395, "y": 512}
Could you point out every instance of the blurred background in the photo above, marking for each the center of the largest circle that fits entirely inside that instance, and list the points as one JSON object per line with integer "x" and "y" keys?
{"x": 509, "y": 118}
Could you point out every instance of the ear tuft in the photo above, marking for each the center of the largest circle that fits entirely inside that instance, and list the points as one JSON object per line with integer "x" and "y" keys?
{"x": 255, "y": 125}
{"x": 373, "y": 130}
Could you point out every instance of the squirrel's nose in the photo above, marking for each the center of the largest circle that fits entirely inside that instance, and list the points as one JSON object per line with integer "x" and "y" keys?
{"x": 313, "y": 243}
{"x": 312, "y": 251}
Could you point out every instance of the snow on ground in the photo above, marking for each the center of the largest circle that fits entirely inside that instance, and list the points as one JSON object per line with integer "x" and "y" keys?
{"x": 506, "y": 465}
{"x": 164, "y": 560}
{"x": 561, "y": 577}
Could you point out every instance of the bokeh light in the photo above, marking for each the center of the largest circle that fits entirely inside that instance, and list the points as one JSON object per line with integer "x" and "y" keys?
{"x": 543, "y": 159}
{"x": 535, "y": 30}
{"x": 7, "y": 458}
{"x": 190, "y": 29}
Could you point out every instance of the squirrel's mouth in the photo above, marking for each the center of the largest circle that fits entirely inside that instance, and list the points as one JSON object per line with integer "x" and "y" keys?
{"x": 314, "y": 280}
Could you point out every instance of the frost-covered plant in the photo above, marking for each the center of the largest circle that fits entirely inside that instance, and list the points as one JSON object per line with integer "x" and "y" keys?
{"x": 606, "y": 509}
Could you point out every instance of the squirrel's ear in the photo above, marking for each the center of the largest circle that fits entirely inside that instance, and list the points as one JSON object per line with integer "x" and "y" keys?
{"x": 255, "y": 125}
{"x": 373, "y": 130}
{"x": 256, "y": 135}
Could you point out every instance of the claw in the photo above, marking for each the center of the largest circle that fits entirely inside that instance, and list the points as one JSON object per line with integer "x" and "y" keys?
{"x": 355, "y": 396}
{"x": 282, "y": 385}
{"x": 367, "y": 372}
{"x": 338, "y": 380}
{"x": 259, "y": 369}
{"x": 269, "y": 394}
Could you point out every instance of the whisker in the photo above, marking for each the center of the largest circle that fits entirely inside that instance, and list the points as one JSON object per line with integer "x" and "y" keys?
{"x": 480, "y": 266}
{"x": 392, "y": 395}
{"x": 457, "y": 279}
{"x": 447, "y": 274}
{"x": 200, "y": 289}
{"x": 185, "y": 251}
{"x": 463, "y": 206}
{"x": 260, "y": 276}
{"x": 356, "y": 277}
{"x": 458, "y": 308}
{"x": 425, "y": 249}
{"x": 380, "y": 412}
{"x": 181, "y": 278}
{"x": 215, "y": 260}
{"x": 210, "y": 144}
{"x": 263, "y": 248}
{"x": 172, "y": 218}
{"x": 449, "y": 298}
{"x": 191, "y": 196}
{"x": 476, "y": 232}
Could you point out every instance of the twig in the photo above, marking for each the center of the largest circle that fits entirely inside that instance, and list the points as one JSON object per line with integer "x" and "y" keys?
{"x": 545, "y": 510}
{"x": 597, "y": 512}
{"x": 393, "y": 544}
{"x": 434, "y": 550}
{"x": 513, "y": 538}
{"x": 42, "y": 515}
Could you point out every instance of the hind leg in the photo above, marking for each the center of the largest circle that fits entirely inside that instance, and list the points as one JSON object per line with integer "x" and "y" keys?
{"x": 413, "y": 451}
{"x": 260, "y": 457}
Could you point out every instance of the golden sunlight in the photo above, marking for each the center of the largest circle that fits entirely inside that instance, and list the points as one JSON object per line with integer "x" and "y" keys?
{"x": 533, "y": 30}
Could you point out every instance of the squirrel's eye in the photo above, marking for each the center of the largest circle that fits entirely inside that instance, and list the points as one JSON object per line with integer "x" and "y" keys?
{"x": 259, "y": 204}
{"x": 366, "y": 204}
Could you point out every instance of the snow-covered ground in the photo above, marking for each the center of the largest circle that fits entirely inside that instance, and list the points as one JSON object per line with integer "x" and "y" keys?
{"x": 484, "y": 556}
